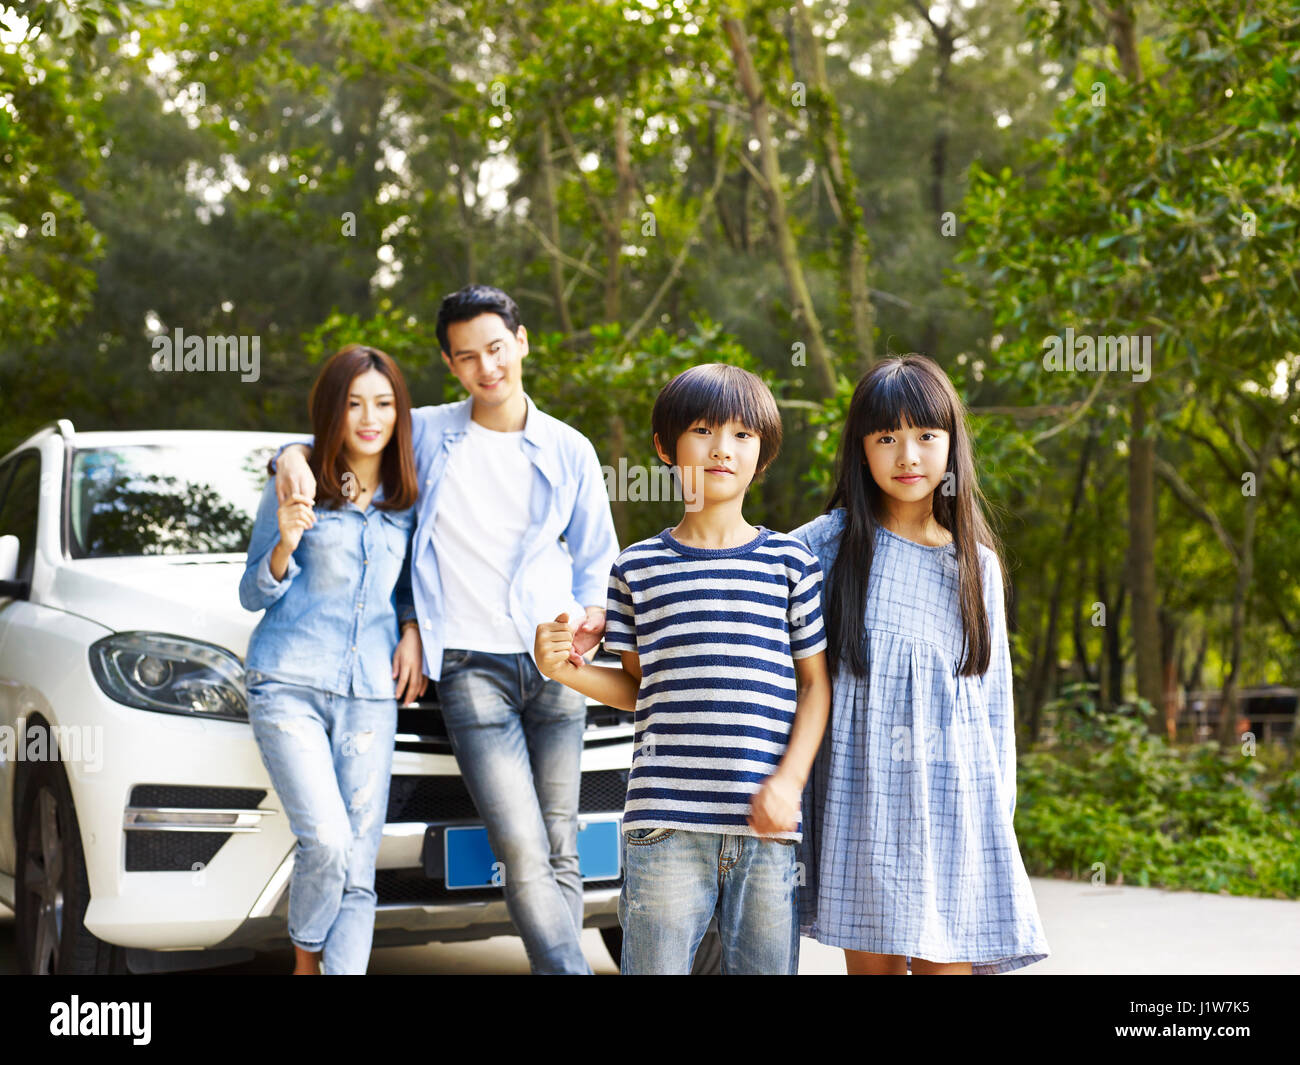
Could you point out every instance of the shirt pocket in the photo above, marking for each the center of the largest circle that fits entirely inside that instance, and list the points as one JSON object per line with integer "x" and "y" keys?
{"x": 329, "y": 551}
{"x": 396, "y": 528}
{"x": 326, "y": 534}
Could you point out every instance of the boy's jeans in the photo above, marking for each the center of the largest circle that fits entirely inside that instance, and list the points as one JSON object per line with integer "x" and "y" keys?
{"x": 518, "y": 740}
{"x": 330, "y": 759}
{"x": 674, "y": 882}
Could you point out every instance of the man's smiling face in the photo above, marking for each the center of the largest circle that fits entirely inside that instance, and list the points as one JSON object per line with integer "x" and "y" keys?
{"x": 486, "y": 358}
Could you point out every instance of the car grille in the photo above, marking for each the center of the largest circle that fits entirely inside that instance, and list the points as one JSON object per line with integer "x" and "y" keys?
{"x": 194, "y": 798}
{"x": 445, "y": 798}
{"x": 420, "y": 728}
{"x": 166, "y": 852}
{"x": 162, "y": 852}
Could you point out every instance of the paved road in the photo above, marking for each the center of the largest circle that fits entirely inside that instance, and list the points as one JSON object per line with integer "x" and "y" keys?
{"x": 1090, "y": 930}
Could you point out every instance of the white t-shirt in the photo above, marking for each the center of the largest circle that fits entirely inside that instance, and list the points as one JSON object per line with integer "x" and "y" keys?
{"x": 483, "y": 508}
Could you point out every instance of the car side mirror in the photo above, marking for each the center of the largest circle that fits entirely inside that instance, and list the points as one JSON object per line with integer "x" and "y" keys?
{"x": 9, "y": 586}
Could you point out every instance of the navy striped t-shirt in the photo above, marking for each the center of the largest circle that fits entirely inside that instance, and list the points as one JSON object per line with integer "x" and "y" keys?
{"x": 716, "y": 631}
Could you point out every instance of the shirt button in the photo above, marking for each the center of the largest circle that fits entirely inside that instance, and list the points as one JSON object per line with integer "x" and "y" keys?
{"x": 365, "y": 561}
{"x": 354, "y": 647}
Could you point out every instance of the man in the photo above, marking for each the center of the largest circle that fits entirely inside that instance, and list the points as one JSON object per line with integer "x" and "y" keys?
{"x": 500, "y": 483}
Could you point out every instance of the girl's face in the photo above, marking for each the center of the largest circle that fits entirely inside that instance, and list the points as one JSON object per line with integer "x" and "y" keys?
{"x": 371, "y": 414}
{"x": 716, "y": 464}
{"x": 908, "y": 464}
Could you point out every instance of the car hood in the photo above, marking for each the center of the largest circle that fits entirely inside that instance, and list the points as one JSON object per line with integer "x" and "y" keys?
{"x": 187, "y": 595}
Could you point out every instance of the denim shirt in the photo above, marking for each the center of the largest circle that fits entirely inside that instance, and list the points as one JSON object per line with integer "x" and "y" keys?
{"x": 569, "y": 500}
{"x": 333, "y": 622}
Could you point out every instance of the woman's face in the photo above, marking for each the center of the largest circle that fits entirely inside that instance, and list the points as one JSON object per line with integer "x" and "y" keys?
{"x": 371, "y": 414}
{"x": 909, "y": 463}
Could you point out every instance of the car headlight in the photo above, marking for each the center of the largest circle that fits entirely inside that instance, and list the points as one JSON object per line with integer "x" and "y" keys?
{"x": 170, "y": 674}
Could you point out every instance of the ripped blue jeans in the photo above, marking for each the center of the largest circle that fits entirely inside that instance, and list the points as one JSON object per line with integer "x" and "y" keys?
{"x": 330, "y": 759}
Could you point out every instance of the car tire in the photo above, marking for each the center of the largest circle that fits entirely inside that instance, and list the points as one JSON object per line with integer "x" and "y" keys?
{"x": 51, "y": 887}
{"x": 708, "y": 956}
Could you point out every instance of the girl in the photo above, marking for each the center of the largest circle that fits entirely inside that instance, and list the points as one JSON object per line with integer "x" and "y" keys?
{"x": 323, "y": 660}
{"x": 910, "y": 852}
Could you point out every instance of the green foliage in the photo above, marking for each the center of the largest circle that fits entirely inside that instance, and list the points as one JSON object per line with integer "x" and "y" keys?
{"x": 608, "y": 393}
{"x": 1188, "y": 817}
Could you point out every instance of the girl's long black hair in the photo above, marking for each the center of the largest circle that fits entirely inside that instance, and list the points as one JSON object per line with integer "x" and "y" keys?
{"x": 911, "y": 388}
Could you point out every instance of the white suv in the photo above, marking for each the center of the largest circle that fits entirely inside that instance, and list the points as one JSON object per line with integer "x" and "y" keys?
{"x": 138, "y": 828}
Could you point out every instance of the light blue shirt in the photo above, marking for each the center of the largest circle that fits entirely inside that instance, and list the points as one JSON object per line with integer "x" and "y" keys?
{"x": 333, "y": 622}
{"x": 568, "y": 502}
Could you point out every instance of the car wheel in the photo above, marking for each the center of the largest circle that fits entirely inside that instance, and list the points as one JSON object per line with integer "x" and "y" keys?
{"x": 51, "y": 886}
{"x": 708, "y": 956}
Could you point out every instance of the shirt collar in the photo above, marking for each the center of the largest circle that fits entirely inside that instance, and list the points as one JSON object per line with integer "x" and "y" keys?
{"x": 539, "y": 444}
{"x": 532, "y": 430}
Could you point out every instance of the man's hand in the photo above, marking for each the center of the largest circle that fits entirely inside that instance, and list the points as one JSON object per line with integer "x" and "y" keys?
{"x": 295, "y": 516}
{"x": 587, "y": 634}
{"x": 775, "y": 806}
{"x": 553, "y": 647}
{"x": 293, "y": 477}
{"x": 408, "y": 666}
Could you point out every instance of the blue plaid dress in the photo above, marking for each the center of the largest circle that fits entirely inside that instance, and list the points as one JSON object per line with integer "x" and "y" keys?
{"x": 908, "y": 843}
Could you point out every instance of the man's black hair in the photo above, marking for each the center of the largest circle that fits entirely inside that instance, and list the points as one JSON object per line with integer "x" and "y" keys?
{"x": 471, "y": 301}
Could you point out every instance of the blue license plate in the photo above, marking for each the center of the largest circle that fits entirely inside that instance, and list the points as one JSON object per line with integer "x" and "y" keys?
{"x": 470, "y": 863}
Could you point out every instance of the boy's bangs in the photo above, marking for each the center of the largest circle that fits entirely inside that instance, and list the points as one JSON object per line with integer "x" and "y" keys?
{"x": 735, "y": 399}
{"x": 907, "y": 395}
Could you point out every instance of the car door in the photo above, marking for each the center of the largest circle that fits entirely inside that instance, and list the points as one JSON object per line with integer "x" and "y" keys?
{"x": 20, "y": 497}
{"x": 20, "y": 484}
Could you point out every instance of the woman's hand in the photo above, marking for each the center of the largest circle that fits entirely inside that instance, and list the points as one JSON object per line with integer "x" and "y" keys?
{"x": 295, "y": 516}
{"x": 408, "y": 666}
{"x": 775, "y": 806}
{"x": 553, "y": 647}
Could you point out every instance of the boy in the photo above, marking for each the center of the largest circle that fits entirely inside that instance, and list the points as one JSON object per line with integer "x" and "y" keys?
{"x": 707, "y": 618}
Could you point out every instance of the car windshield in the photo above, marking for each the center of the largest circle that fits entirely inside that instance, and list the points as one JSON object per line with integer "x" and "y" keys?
{"x": 164, "y": 500}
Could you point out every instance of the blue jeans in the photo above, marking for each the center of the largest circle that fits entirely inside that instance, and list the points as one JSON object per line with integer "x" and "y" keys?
{"x": 674, "y": 883}
{"x": 330, "y": 758}
{"x": 518, "y": 740}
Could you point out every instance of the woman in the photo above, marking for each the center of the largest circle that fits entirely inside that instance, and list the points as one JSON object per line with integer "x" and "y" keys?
{"x": 327, "y": 664}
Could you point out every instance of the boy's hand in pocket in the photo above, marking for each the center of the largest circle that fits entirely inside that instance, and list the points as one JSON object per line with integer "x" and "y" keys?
{"x": 775, "y": 806}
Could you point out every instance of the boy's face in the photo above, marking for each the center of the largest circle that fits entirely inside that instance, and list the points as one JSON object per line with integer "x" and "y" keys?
{"x": 717, "y": 464}
{"x": 486, "y": 358}
{"x": 909, "y": 463}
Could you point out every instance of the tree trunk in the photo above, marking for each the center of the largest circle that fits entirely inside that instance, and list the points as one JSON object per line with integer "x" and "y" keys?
{"x": 1245, "y": 577}
{"x": 1142, "y": 559}
{"x": 1045, "y": 678}
{"x": 822, "y": 365}
{"x": 617, "y": 504}
{"x": 1169, "y": 673}
{"x": 945, "y": 46}
{"x": 853, "y": 240}
{"x": 1087, "y": 673}
{"x": 1112, "y": 686}
{"x": 614, "y": 230}
{"x": 553, "y": 227}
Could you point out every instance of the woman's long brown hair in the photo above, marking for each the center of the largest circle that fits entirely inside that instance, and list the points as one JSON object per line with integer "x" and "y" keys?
{"x": 915, "y": 388}
{"x": 329, "y": 412}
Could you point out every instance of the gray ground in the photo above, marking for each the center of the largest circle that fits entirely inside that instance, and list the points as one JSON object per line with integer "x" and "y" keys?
{"x": 1090, "y": 930}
